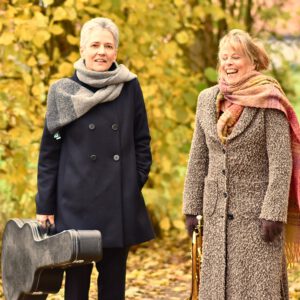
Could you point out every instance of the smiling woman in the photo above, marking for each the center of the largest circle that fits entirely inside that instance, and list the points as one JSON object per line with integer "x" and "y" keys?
{"x": 95, "y": 158}
{"x": 243, "y": 175}
{"x": 99, "y": 50}
{"x": 234, "y": 63}
{"x": 239, "y": 55}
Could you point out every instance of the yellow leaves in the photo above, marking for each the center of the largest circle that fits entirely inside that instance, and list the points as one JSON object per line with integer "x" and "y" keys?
{"x": 27, "y": 78}
{"x": 133, "y": 19}
{"x": 72, "y": 14}
{"x": 218, "y": 12}
{"x": 65, "y": 69}
{"x": 60, "y": 14}
{"x": 38, "y": 90}
{"x": 151, "y": 91}
{"x": 165, "y": 224}
{"x": 40, "y": 20}
{"x": 25, "y": 32}
{"x": 56, "y": 29}
{"x": 48, "y": 2}
{"x": 179, "y": 224}
{"x": 20, "y": 136}
{"x": 6, "y": 38}
{"x": 182, "y": 37}
{"x": 41, "y": 37}
{"x": 43, "y": 58}
{"x": 70, "y": 3}
{"x": 3, "y": 121}
{"x": 165, "y": 274}
{"x": 73, "y": 56}
{"x": 144, "y": 38}
{"x": 91, "y": 10}
{"x": 166, "y": 164}
{"x": 199, "y": 12}
{"x": 179, "y": 3}
{"x": 31, "y": 62}
{"x": 294, "y": 282}
{"x": 139, "y": 63}
{"x": 72, "y": 40}
{"x": 11, "y": 11}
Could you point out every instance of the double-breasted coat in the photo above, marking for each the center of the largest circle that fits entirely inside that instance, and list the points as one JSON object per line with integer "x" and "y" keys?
{"x": 234, "y": 186}
{"x": 91, "y": 178}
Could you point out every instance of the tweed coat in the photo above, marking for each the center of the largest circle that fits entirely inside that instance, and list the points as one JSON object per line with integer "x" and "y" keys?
{"x": 234, "y": 187}
{"x": 92, "y": 177}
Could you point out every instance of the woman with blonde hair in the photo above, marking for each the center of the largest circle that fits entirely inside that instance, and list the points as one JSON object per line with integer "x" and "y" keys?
{"x": 243, "y": 177}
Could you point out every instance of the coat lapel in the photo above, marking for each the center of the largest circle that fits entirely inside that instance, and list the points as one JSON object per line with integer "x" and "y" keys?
{"x": 211, "y": 117}
{"x": 210, "y": 114}
{"x": 244, "y": 121}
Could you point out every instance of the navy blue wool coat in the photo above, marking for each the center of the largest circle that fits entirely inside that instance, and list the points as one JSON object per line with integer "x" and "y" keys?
{"x": 92, "y": 177}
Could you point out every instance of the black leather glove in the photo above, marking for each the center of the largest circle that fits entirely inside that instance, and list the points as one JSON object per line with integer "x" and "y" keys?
{"x": 270, "y": 230}
{"x": 190, "y": 223}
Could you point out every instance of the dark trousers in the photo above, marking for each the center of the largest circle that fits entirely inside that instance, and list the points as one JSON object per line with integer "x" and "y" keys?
{"x": 111, "y": 277}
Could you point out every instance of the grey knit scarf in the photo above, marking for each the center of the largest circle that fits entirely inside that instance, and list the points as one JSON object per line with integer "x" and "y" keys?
{"x": 68, "y": 100}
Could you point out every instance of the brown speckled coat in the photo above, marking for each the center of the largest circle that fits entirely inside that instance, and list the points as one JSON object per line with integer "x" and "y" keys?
{"x": 234, "y": 187}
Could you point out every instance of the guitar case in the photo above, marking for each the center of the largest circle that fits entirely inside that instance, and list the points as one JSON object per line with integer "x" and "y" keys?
{"x": 33, "y": 262}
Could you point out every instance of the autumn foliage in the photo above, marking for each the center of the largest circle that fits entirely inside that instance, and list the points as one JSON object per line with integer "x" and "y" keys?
{"x": 171, "y": 45}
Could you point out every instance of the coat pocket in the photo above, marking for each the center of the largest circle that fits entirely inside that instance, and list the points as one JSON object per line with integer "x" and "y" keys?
{"x": 210, "y": 197}
{"x": 247, "y": 198}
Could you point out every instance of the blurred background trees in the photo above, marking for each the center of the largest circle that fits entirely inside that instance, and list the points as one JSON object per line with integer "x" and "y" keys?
{"x": 171, "y": 45}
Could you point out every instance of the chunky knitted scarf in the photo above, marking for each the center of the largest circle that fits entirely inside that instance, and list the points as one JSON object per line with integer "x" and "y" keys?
{"x": 68, "y": 100}
{"x": 257, "y": 90}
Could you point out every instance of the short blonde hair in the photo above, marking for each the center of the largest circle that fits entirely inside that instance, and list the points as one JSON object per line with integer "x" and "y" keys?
{"x": 252, "y": 48}
{"x": 103, "y": 23}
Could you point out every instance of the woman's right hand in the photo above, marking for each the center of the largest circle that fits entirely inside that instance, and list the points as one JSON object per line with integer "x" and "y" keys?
{"x": 190, "y": 223}
{"x": 270, "y": 230}
{"x": 42, "y": 219}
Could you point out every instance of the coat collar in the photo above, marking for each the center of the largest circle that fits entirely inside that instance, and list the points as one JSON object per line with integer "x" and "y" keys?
{"x": 244, "y": 121}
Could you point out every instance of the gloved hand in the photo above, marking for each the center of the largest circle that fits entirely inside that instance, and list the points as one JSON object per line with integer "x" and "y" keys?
{"x": 270, "y": 230}
{"x": 190, "y": 223}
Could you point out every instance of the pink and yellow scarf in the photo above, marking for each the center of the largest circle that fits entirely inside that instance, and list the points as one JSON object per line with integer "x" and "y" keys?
{"x": 261, "y": 91}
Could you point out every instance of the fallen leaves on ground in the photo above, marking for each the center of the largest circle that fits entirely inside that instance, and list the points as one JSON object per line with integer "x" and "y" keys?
{"x": 161, "y": 270}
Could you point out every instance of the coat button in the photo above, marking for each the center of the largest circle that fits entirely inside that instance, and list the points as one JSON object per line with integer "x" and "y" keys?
{"x": 223, "y": 172}
{"x": 92, "y": 126}
{"x": 225, "y": 195}
{"x": 93, "y": 157}
{"x": 230, "y": 216}
{"x": 116, "y": 157}
{"x": 114, "y": 127}
{"x": 223, "y": 150}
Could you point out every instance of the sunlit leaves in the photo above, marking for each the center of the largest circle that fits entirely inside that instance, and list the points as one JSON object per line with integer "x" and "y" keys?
{"x": 60, "y": 14}
{"x": 56, "y": 29}
{"x": 6, "y": 38}
{"x": 72, "y": 39}
{"x": 48, "y": 2}
{"x": 170, "y": 45}
{"x": 182, "y": 37}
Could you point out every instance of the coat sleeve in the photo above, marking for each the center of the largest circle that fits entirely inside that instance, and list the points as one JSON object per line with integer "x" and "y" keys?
{"x": 278, "y": 142}
{"x": 141, "y": 137}
{"x": 196, "y": 169}
{"x": 47, "y": 173}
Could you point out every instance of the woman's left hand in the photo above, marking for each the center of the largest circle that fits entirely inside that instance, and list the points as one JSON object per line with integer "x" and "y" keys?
{"x": 270, "y": 230}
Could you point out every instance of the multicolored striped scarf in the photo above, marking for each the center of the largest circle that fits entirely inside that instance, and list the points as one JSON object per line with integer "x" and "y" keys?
{"x": 257, "y": 90}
